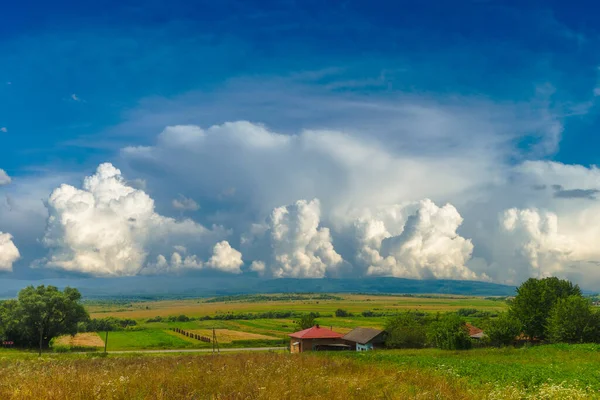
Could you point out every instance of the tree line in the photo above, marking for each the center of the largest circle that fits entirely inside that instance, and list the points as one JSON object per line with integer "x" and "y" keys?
{"x": 548, "y": 310}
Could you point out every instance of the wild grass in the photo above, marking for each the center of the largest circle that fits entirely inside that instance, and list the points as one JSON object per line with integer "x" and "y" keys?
{"x": 240, "y": 376}
{"x": 273, "y": 376}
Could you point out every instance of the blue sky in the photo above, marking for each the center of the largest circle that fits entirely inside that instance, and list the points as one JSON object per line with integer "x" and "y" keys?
{"x": 111, "y": 55}
{"x": 80, "y": 83}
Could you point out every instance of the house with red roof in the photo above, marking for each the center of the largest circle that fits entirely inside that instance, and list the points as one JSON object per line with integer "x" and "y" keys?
{"x": 316, "y": 339}
{"x": 475, "y": 332}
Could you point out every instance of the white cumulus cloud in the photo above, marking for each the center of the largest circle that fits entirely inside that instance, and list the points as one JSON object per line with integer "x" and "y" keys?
{"x": 185, "y": 204}
{"x": 4, "y": 178}
{"x": 535, "y": 244}
{"x": 427, "y": 247}
{"x": 225, "y": 258}
{"x": 296, "y": 244}
{"x": 8, "y": 252}
{"x": 108, "y": 228}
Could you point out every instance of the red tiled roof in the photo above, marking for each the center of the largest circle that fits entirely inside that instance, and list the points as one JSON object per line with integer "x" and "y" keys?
{"x": 473, "y": 330}
{"x": 316, "y": 332}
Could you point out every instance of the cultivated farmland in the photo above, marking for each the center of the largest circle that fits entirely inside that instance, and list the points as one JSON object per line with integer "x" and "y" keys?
{"x": 238, "y": 322}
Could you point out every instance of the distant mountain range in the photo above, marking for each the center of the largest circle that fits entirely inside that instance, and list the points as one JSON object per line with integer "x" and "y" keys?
{"x": 178, "y": 287}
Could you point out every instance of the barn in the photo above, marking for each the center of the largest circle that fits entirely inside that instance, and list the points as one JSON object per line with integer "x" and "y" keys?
{"x": 363, "y": 339}
{"x": 316, "y": 339}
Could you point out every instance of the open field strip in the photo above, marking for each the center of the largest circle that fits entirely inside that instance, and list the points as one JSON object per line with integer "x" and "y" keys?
{"x": 148, "y": 339}
{"x": 352, "y": 303}
{"x": 87, "y": 339}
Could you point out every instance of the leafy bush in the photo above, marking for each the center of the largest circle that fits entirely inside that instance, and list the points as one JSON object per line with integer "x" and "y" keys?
{"x": 105, "y": 324}
{"x": 503, "y": 330}
{"x": 341, "y": 313}
{"x": 155, "y": 319}
{"x": 406, "y": 330}
{"x": 368, "y": 313}
{"x": 572, "y": 320}
{"x": 465, "y": 312}
{"x": 306, "y": 321}
{"x": 449, "y": 333}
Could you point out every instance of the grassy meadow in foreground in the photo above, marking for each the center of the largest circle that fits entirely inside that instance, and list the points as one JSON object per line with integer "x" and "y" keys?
{"x": 545, "y": 372}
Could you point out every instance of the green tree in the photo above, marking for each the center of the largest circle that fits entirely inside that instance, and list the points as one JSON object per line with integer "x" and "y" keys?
{"x": 406, "y": 330}
{"x": 45, "y": 312}
{"x": 572, "y": 320}
{"x": 534, "y": 301}
{"x": 503, "y": 330}
{"x": 341, "y": 313}
{"x": 9, "y": 320}
{"x": 306, "y": 321}
{"x": 450, "y": 332}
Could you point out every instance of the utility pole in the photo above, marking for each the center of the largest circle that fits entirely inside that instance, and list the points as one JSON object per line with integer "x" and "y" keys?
{"x": 215, "y": 342}
{"x": 41, "y": 337}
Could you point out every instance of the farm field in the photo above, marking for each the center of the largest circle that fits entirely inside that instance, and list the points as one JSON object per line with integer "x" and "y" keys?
{"x": 352, "y": 303}
{"x": 261, "y": 332}
{"x": 543, "y": 372}
{"x": 88, "y": 339}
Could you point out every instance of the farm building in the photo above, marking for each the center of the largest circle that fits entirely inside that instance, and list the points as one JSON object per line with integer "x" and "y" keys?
{"x": 363, "y": 339}
{"x": 475, "y": 332}
{"x": 315, "y": 339}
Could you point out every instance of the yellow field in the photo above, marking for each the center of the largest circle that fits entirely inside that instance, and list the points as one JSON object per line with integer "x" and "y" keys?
{"x": 90, "y": 339}
{"x": 352, "y": 303}
{"x": 228, "y": 336}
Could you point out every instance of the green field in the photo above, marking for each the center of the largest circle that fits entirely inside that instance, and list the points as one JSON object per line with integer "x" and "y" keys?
{"x": 158, "y": 335}
{"x": 526, "y": 369}
{"x": 147, "y": 339}
{"x": 353, "y": 303}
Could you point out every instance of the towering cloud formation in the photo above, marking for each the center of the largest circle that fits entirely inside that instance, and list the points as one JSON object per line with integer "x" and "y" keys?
{"x": 8, "y": 252}
{"x": 534, "y": 242}
{"x": 109, "y": 228}
{"x": 426, "y": 247}
{"x": 370, "y": 217}
{"x": 300, "y": 248}
{"x": 268, "y": 168}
